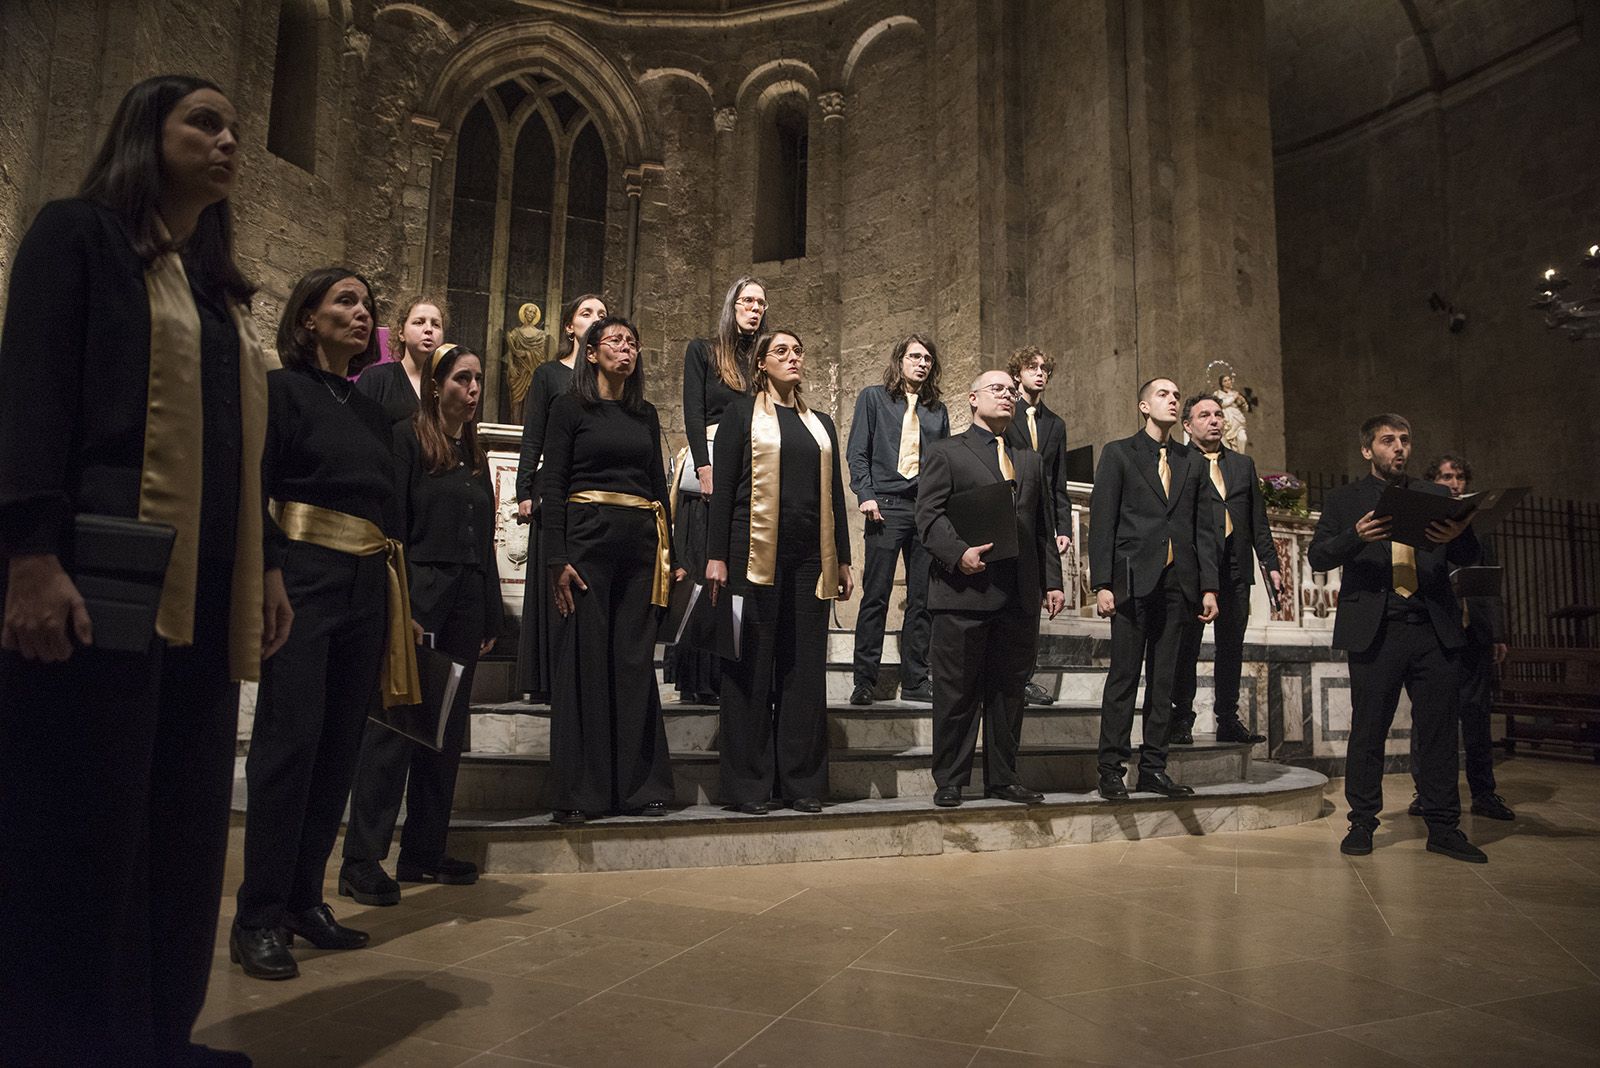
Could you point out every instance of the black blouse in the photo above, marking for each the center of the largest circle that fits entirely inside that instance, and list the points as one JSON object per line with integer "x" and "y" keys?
{"x": 550, "y": 380}
{"x": 601, "y": 448}
{"x": 448, "y": 516}
{"x": 705, "y": 397}
{"x": 390, "y": 386}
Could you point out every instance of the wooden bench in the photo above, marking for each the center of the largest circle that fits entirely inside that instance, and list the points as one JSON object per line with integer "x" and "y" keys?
{"x": 1551, "y": 697}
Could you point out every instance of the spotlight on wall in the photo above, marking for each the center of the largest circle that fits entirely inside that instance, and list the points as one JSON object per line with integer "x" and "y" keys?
{"x": 1456, "y": 320}
{"x": 1578, "y": 318}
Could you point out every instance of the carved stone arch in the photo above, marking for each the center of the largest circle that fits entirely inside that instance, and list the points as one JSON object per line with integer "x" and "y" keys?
{"x": 679, "y": 74}
{"x": 426, "y": 14}
{"x": 796, "y": 74}
{"x": 870, "y": 35}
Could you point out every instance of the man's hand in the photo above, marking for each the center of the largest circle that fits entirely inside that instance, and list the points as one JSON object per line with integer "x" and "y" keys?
{"x": 484, "y": 646}
{"x": 972, "y": 560}
{"x": 846, "y": 582}
{"x": 704, "y": 475}
{"x": 525, "y": 509}
{"x": 1208, "y": 607}
{"x": 1447, "y": 530}
{"x": 1276, "y": 578}
{"x": 1063, "y": 543}
{"x": 1054, "y": 602}
{"x": 566, "y": 577}
{"x": 41, "y": 602}
{"x": 1105, "y": 604}
{"x": 1373, "y": 528}
{"x": 277, "y": 616}
{"x": 1500, "y": 651}
{"x": 870, "y": 510}
{"x": 716, "y": 577}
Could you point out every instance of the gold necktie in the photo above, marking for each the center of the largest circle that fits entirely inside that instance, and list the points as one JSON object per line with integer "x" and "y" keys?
{"x": 1166, "y": 487}
{"x": 1033, "y": 429}
{"x": 1005, "y": 461}
{"x": 1222, "y": 491}
{"x": 910, "y": 459}
{"x": 1403, "y": 560}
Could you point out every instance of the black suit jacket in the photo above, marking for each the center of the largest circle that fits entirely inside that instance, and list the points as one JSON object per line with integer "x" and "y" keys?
{"x": 1248, "y": 509}
{"x": 1053, "y": 451}
{"x": 1131, "y": 520}
{"x": 1369, "y": 568}
{"x": 968, "y": 461}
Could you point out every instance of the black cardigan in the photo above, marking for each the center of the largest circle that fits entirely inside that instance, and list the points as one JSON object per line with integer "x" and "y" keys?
{"x": 448, "y": 517}
{"x": 705, "y": 397}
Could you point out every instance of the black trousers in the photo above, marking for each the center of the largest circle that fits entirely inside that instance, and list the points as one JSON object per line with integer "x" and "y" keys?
{"x": 1476, "y": 666}
{"x": 1406, "y": 653}
{"x": 116, "y": 772}
{"x": 448, "y": 601}
{"x": 538, "y": 620}
{"x": 1144, "y": 629}
{"x": 310, "y": 712}
{"x": 980, "y": 661}
{"x": 1227, "y": 636}
{"x": 608, "y": 743}
{"x": 886, "y": 544}
{"x": 774, "y": 723}
{"x": 694, "y": 671}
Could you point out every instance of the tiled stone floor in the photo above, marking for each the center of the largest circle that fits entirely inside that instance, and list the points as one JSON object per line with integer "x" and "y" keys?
{"x": 1259, "y": 948}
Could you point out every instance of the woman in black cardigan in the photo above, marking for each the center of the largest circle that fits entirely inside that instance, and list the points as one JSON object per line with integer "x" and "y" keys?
{"x": 779, "y": 537}
{"x": 397, "y": 385}
{"x": 116, "y": 768}
{"x": 447, "y": 510}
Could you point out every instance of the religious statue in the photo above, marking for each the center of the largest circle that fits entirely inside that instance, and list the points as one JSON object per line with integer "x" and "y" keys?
{"x": 527, "y": 347}
{"x": 1236, "y": 405}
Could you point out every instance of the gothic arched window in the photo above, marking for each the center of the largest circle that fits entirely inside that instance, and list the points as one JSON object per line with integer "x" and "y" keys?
{"x": 292, "y": 120}
{"x": 782, "y": 163}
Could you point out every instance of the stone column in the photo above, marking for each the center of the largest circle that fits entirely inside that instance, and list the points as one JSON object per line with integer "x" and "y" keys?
{"x": 727, "y": 171}
{"x": 829, "y": 173}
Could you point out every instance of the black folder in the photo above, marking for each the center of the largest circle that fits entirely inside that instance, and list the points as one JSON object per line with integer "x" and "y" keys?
{"x": 119, "y": 566}
{"x": 711, "y": 628}
{"x": 984, "y": 515}
{"x": 1476, "y": 581}
{"x": 427, "y": 722}
{"x": 1412, "y": 510}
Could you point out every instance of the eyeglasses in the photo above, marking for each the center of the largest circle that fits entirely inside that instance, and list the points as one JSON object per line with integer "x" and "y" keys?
{"x": 919, "y": 357}
{"x": 620, "y": 341}
{"x": 997, "y": 390}
{"x": 751, "y": 302}
{"x": 778, "y": 352}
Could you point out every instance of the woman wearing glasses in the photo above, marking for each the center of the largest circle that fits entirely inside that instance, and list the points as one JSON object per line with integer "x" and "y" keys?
{"x": 779, "y": 538}
{"x": 604, "y": 522}
{"x": 714, "y": 376}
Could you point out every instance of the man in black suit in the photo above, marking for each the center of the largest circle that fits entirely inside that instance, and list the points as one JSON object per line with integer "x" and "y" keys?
{"x": 1400, "y": 623}
{"x": 1036, "y": 427}
{"x": 1153, "y": 552}
{"x": 1236, "y": 497}
{"x": 985, "y": 613}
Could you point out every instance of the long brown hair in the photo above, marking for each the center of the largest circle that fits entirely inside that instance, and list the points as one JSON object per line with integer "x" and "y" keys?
{"x": 894, "y": 378}
{"x": 438, "y": 453}
{"x": 731, "y": 347}
{"x": 758, "y": 355}
{"x": 397, "y": 333}
{"x": 297, "y": 346}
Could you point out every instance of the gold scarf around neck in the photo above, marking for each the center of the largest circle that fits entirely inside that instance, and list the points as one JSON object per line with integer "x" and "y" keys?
{"x": 766, "y": 443}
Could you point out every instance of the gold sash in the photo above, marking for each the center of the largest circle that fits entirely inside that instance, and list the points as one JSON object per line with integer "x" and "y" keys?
{"x": 766, "y": 443}
{"x": 661, "y": 584}
{"x": 169, "y": 483}
{"x": 358, "y": 537}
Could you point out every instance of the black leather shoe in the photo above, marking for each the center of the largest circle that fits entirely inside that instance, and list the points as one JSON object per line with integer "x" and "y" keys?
{"x": 1234, "y": 731}
{"x": 1454, "y": 844}
{"x": 755, "y": 808}
{"x": 862, "y": 694}
{"x": 1492, "y": 806}
{"x": 1415, "y": 808}
{"x": 261, "y": 952}
{"x": 368, "y": 883}
{"x": 654, "y": 808}
{"x": 194, "y": 1055}
{"x": 449, "y": 871}
{"x": 568, "y": 816}
{"x": 1014, "y": 792}
{"x": 317, "y": 926}
{"x": 1181, "y": 736}
{"x": 1357, "y": 841}
{"x": 1112, "y": 785}
{"x": 947, "y": 797}
{"x": 1035, "y": 694}
{"x": 806, "y": 804}
{"x": 1160, "y": 782}
{"x": 922, "y": 695}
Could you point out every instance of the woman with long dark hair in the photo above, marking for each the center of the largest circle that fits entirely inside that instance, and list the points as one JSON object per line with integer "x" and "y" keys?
{"x": 715, "y": 374}
{"x": 329, "y": 471}
{"x": 145, "y": 398}
{"x": 779, "y": 537}
{"x": 608, "y": 550}
{"x": 447, "y": 508}
{"x": 397, "y": 385}
{"x": 550, "y": 380}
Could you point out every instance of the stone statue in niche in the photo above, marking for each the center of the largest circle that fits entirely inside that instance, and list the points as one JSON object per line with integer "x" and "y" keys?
{"x": 527, "y": 346}
{"x": 1237, "y": 404}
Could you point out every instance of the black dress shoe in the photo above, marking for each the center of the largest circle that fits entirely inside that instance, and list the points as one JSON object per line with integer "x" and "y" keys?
{"x": 806, "y": 804}
{"x": 1235, "y": 731}
{"x": 261, "y": 952}
{"x": 1454, "y": 844}
{"x": 707, "y": 697}
{"x": 368, "y": 883}
{"x": 1180, "y": 736}
{"x": 922, "y": 695}
{"x": 317, "y": 926}
{"x": 755, "y": 808}
{"x": 1357, "y": 841}
{"x": 1159, "y": 782}
{"x": 1492, "y": 806}
{"x": 654, "y": 808}
{"x": 1035, "y": 694}
{"x": 567, "y": 816}
{"x": 947, "y": 797}
{"x": 1113, "y": 787}
{"x": 449, "y": 871}
{"x": 194, "y": 1055}
{"x": 862, "y": 694}
{"x": 1014, "y": 792}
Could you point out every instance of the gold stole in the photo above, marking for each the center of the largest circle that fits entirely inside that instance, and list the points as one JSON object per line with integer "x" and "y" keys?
{"x": 169, "y": 482}
{"x": 766, "y": 443}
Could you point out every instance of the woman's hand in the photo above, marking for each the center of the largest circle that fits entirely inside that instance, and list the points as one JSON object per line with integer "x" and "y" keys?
{"x": 566, "y": 577}
{"x": 704, "y": 475}
{"x": 484, "y": 646}
{"x": 716, "y": 577}
{"x": 277, "y": 615}
{"x": 525, "y": 508}
{"x": 846, "y": 582}
{"x": 418, "y": 635}
{"x": 41, "y": 601}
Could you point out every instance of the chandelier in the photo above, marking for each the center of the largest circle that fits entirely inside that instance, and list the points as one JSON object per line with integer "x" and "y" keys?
{"x": 1579, "y": 317}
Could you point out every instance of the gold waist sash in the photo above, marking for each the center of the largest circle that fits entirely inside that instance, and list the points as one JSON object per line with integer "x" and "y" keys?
{"x": 359, "y": 537}
{"x": 661, "y": 585}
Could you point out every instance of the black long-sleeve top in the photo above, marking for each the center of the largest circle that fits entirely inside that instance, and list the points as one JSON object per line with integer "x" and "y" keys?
{"x": 390, "y": 386}
{"x": 605, "y": 447}
{"x": 448, "y": 516}
{"x": 1052, "y": 450}
{"x": 550, "y": 380}
{"x": 874, "y": 449}
{"x": 76, "y": 351}
{"x": 330, "y": 445}
{"x": 728, "y": 526}
{"x": 705, "y": 397}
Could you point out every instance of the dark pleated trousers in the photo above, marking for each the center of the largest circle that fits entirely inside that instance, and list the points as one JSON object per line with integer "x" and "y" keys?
{"x": 312, "y": 707}
{"x": 886, "y": 544}
{"x": 390, "y": 764}
{"x": 1145, "y": 629}
{"x": 115, "y": 777}
{"x": 774, "y": 723}
{"x": 538, "y": 621}
{"x": 981, "y": 661}
{"x": 693, "y": 671}
{"x": 1476, "y": 666}
{"x": 608, "y": 743}
{"x": 1227, "y": 636}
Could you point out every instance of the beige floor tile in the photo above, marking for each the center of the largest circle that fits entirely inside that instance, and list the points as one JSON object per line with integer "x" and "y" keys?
{"x": 1190, "y": 947}
{"x": 1322, "y": 1050}
{"x": 477, "y": 1010}
{"x": 790, "y": 939}
{"x": 742, "y": 980}
{"x": 621, "y": 1029}
{"x": 900, "y": 1004}
{"x": 1057, "y": 966}
{"x": 1183, "y": 1017}
{"x": 330, "y": 1043}
{"x": 1570, "y": 1014}
{"x": 1454, "y": 971}
{"x": 803, "y": 1044}
{"x": 1467, "y": 1038}
{"x": 1322, "y": 995}
{"x": 449, "y": 939}
{"x": 541, "y": 906}
{"x": 643, "y": 920}
{"x": 588, "y": 962}
{"x": 1049, "y": 1030}
{"x": 326, "y": 982}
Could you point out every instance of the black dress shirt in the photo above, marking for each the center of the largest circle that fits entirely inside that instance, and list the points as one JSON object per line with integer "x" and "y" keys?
{"x": 605, "y": 447}
{"x": 874, "y": 449}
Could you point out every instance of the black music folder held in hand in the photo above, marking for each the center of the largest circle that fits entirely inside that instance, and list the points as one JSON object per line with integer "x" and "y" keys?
{"x": 1411, "y": 511}
{"x": 119, "y": 566}
{"x": 986, "y": 515}
{"x": 1476, "y": 581}
{"x": 427, "y": 722}
{"x": 711, "y": 628}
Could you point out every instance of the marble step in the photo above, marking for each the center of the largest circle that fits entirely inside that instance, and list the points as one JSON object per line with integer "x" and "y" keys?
{"x": 514, "y": 784}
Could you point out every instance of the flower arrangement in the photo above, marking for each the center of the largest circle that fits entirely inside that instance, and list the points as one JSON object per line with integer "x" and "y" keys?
{"x": 1285, "y": 492}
